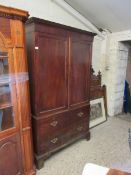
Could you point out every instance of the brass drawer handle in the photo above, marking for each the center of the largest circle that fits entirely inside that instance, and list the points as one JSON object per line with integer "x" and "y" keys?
{"x": 54, "y": 140}
{"x": 79, "y": 128}
{"x": 80, "y": 114}
{"x": 54, "y": 123}
{"x": 19, "y": 173}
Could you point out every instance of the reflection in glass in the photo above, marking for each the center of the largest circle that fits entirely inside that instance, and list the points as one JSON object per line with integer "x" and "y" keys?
{"x": 1, "y": 117}
{"x": 6, "y": 118}
{"x": 5, "y": 97}
{"x": 6, "y": 109}
{"x": 4, "y": 68}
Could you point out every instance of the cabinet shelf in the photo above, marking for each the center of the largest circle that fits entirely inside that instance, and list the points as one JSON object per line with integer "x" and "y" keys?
{"x": 5, "y": 105}
{"x": 3, "y": 57}
{"x": 4, "y": 79}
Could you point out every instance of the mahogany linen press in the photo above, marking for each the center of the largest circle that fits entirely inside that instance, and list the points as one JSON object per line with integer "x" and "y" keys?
{"x": 59, "y": 59}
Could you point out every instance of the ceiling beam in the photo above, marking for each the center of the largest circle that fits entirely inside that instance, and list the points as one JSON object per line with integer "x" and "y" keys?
{"x": 78, "y": 16}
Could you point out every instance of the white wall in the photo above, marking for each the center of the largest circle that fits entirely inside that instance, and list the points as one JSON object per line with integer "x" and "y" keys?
{"x": 45, "y": 9}
{"x": 110, "y": 56}
{"x": 100, "y": 54}
{"x": 114, "y": 70}
{"x": 97, "y": 54}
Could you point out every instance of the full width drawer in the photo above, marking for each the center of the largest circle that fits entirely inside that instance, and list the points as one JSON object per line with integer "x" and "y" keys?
{"x": 52, "y": 124}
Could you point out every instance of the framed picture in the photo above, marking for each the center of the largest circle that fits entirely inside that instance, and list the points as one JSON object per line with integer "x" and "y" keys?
{"x": 97, "y": 112}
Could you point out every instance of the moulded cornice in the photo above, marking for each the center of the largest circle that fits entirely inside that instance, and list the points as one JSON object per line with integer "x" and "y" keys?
{"x": 13, "y": 13}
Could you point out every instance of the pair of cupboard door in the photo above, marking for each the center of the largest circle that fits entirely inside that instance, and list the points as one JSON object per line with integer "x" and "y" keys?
{"x": 62, "y": 71}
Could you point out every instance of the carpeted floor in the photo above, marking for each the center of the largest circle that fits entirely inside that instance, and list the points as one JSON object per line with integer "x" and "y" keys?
{"x": 108, "y": 147}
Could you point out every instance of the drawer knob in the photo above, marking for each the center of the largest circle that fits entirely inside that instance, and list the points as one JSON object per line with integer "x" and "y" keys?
{"x": 54, "y": 140}
{"x": 54, "y": 123}
{"x": 80, "y": 114}
{"x": 79, "y": 128}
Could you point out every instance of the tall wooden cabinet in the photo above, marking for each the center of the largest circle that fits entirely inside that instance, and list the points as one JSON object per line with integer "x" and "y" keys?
{"x": 15, "y": 130}
{"x": 59, "y": 60}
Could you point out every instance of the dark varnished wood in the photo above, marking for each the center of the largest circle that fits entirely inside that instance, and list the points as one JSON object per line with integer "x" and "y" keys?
{"x": 11, "y": 156}
{"x": 52, "y": 72}
{"x": 79, "y": 69}
{"x": 96, "y": 89}
{"x": 40, "y": 22}
{"x": 59, "y": 60}
{"x": 57, "y": 124}
{"x": 56, "y": 139}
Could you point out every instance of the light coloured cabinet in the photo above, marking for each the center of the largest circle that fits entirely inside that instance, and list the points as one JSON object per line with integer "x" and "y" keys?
{"x": 15, "y": 125}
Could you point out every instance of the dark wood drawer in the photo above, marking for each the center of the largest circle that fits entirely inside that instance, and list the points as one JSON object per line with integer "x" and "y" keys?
{"x": 46, "y": 129}
{"x": 52, "y": 124}
{"x": 48, "y": 143}
{"x": 76, "y": 130}
{"x": 58, "y": 129}
{"x": 79, "y": 114}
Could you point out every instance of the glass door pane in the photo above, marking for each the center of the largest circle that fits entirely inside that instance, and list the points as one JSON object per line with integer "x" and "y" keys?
{"x": 6, "y": 118}
{"x": 5, "y": 96}
{"x": 6, "y": 107}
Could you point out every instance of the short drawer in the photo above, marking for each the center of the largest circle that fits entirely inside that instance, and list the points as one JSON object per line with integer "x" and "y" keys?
{"x": 52, "y": 124}
{"x": 49, "y": 144}
{"x": 76, "y": 130}
{"x": 79, "y": 114}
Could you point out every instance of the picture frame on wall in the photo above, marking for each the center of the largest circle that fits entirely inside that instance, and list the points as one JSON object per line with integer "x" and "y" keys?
{"x": 97, "y": 112}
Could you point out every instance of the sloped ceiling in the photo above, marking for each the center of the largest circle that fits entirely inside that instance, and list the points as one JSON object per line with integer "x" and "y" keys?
{"x": 114, "y": 15}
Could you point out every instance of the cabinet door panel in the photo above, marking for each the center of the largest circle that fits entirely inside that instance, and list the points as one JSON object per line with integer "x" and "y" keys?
{"x": 79, "y": 72}
{"x": 10, "y": 156}
{"x": 52, "y": 74}
{"x": 8, "y": 106}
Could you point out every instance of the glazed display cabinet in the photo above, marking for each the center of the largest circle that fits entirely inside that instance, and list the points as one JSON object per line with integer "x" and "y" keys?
{"x": 15, "y": 125}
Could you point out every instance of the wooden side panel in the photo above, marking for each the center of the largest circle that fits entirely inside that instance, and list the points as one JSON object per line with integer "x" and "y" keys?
{"x": 22, "y": 83}
{"x": 51, "y": 66}
{"x": 18, "y": 33}
{"x": 20, "y": 62}
{"x": 30, "y": 44}
{"x": 10, "y": 156}
{"x": 28, "y": 162}
{"x": 79, "y": 71}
